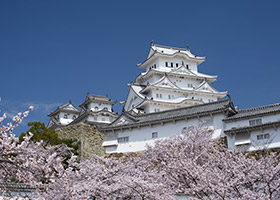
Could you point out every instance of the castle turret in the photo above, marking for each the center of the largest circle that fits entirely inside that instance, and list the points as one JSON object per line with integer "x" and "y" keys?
{"x": 171, "y": 80}
{"x": 63, "y": 115}
{"x": 97, "y": 110}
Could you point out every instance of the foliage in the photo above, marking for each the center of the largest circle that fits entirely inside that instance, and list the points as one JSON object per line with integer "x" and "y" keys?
{"x": 198, "y": 166}
{"x": 110, "y": 178}
{"x": 28, "y": 162}
{"x": 48, "y": 136}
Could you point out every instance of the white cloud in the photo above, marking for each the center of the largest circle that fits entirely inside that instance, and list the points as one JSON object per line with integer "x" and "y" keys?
{"x": 12, "y": 108}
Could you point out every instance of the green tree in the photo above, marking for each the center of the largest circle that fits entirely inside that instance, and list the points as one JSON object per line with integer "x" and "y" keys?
{"x": 49, "y": 137}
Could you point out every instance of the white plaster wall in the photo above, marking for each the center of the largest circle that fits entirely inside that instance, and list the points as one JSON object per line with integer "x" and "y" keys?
{"x": 174, "y": 94}
{"x": 99, "y": 118}
{"x": 140, "y": 137}
{"x": 151, "y": 108}
{"x": 153, "y": 79}
{"x": 100, "y": 106}
{"x": 245, "y": 122}
{"x": 272, "y": 142}
{"x": 183, "y": 82}
{"x": 132, "y": 99}
{"x": 154, "y": 63}
{"x": 177, "y": 59}
{"x": 68, "y": 120}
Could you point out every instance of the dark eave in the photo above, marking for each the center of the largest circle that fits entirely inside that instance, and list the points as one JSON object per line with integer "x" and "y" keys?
{"x": 110, "y": 102}
{"x": 222, "y": 106}
{"x": 253, "y": 128}
{"x": 17, "y": 187}
{"x": 254, "y": 112}
{"x": 92, "y": 113}
{"x": 58, "y": 110}
{"x": 63, "y": 108}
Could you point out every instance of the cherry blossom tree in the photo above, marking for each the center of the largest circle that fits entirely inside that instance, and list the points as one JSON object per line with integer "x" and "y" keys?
{"x": 191, "y": 164}
{"x": 27, "y": 162}
{"x": 40, "y": 166}
{"x": 110, "y": 178}
{"x": 200, "y": 167}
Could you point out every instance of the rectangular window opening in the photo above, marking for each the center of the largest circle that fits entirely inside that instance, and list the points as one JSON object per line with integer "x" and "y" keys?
{"x": 123, "y": 139}
{"x": 155, "y": 135}
{"x": 255, "y": 122}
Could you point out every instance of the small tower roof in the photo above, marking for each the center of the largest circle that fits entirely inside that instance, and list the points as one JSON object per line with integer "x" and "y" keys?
{"x": 97, "y": 99}
{"x": 170, "y": 51}
{"x": 68, "y": 107}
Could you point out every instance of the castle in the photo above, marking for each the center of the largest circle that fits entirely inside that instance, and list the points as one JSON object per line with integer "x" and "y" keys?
{"x": 170, "y": 96}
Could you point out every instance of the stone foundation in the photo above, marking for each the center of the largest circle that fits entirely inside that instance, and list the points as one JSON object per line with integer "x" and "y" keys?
{"x": 89, "y": 139}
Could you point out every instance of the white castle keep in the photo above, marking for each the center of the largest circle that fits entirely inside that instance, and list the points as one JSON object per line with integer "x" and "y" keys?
{"x": 170, "y": 96}
{"x": 171, "y": 80}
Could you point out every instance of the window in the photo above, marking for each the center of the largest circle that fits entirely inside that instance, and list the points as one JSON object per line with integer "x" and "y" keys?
{"x": 65, "y": 116}
{"x": 57, "y": 117}
{"x": 166, "y": 64}
{"x": 123, "y": 139}
{"x": 255, "y": 122}
{"x": 105, "y": 108}
{"x": 263, "y": 136}
{"x": 155, "y": 66}
{"x": 74, "y": 117}
{"x": 155, "y": 135}
{"x": 190, "y": 85}
{"x": 187, "y": 66}
{"x": 187, "y": 128}
{"x": 260, "y": 137}
{"x": 169, "y": 96}
{"x": 171, "y": 64}
{"x": 177, "y": 65}
{"x": 156, "y": 109}
{"x": 159, "y": 95}
{"x": 96, "y": 108}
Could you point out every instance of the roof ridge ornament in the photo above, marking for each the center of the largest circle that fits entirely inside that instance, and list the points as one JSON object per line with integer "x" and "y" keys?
{"x": 188, "y": 48}
{"x": 152, "y": 42}
{"x": 229, "y": 96}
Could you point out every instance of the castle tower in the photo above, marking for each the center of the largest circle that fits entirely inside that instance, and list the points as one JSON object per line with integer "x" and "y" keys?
{"x": 63, "y": 115}
{"x": 171, "y": 80}
{"x": 97, "y": 110}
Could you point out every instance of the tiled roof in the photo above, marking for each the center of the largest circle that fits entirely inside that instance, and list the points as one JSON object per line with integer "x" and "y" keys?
{"x": 56, "y": 123}
{"x": 68, "y": 107}
{"x": 17, "y": 187}
{"x": 252, "y": 128}
{"x": 97, "y": 99}
{"x": 254, "y": 112}
{"x": 174, "y": 114}
{"x": 170, "y": 51}
{"x": 92, "y": 113}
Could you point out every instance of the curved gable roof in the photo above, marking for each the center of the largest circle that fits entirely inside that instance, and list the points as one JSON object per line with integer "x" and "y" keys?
{"x": 68, "y": 108}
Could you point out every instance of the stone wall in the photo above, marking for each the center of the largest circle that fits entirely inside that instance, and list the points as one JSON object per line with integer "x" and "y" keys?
{"x": 89, "y": 139}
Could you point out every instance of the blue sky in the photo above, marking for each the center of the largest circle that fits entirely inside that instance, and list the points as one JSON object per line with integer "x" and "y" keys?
{"x": 53, "y": 51}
